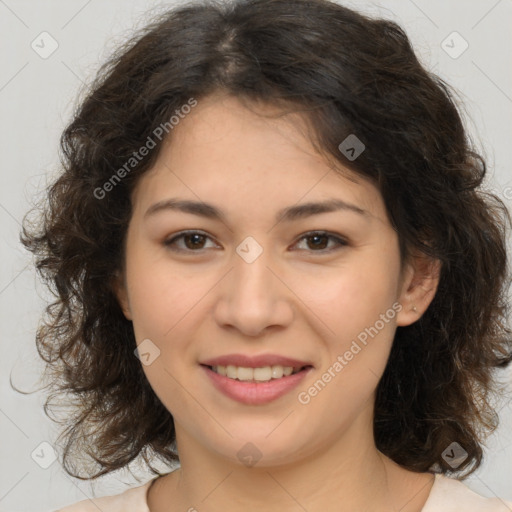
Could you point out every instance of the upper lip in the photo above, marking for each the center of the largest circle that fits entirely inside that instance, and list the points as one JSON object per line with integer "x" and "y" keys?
{"x": 255, "y": 361}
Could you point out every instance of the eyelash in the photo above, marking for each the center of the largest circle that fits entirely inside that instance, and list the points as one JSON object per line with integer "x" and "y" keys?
{"x": 340, "y": 241}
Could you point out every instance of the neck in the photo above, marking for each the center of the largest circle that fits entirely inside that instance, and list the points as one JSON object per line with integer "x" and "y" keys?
{"x": 349, "y": 471}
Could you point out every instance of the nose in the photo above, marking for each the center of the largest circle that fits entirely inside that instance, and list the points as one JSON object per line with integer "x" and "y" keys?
{"x": 253, "y": 297}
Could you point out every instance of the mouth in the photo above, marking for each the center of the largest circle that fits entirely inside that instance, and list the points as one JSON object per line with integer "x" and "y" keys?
{"x": 259, "y": 374}
{"x": 255, "y": 385}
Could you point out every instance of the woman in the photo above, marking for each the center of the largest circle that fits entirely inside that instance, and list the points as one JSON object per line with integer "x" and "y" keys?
{"x": 275, "y": 266}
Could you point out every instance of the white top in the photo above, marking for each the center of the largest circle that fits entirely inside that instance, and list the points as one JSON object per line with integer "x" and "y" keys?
{"x": 446, "y": 495}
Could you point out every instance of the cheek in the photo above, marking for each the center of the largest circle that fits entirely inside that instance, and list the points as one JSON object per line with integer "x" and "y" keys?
{"x": 356, "y": 303}
{"x": 350, "y": 299}
{"x": 160, "y": 296}
{"x": 162, "y": 304}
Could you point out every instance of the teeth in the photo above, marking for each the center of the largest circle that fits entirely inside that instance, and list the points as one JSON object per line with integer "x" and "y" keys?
{"x": 263, "y": 374}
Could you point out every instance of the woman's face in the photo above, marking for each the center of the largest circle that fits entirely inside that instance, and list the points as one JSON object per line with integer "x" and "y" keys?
{"x": 257, "y": 283}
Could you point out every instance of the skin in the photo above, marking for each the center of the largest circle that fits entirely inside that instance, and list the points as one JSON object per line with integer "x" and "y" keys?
{"x": 295, "y": 300}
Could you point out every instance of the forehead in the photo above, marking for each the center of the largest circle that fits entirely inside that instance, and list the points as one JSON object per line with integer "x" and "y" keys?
{"x": 225, "y": 153}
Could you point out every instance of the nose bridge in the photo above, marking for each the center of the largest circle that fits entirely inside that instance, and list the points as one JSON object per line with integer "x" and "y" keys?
{"x": 252, "y": 286}
{"x": 252, "y": 277}
{"x": 252, "y": 298}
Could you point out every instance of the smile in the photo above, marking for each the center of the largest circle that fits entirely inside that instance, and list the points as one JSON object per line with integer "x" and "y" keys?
{"x": 262, "y": 374}
{"x": 255, "y": 386}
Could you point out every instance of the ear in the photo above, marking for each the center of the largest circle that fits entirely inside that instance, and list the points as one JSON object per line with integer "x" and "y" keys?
{"x": 120, "y": 291}
{"x": 418, "y": 287}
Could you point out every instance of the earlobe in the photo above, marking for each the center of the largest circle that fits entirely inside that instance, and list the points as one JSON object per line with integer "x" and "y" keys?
{"x": 420, "y": 283}
{"x": 119, "y": 289}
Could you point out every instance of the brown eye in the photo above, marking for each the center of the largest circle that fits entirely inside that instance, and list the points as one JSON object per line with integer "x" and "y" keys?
{"x": 193, "y": 241}
{"x": 318, "y": 241}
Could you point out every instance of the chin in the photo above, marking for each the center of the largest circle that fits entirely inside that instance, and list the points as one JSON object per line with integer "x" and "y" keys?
{"x": 261, "y": 450}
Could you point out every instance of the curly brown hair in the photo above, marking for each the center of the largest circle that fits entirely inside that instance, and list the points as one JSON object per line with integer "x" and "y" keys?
{"x": 348, "y": 74}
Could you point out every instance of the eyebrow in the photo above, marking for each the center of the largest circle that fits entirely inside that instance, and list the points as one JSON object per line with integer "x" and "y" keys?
{"x": 288, "y": 214}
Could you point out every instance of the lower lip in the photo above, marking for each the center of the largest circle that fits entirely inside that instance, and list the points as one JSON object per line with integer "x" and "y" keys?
{"x": 255, "y": 393}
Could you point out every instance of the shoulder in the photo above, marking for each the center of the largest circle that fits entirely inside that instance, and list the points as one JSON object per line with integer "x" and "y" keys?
{"x": 131, "y": 500}
{"x": 450, "y": 495}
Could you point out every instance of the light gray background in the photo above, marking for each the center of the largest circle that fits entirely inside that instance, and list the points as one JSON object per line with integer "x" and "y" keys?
{"x": 36, "y": 99}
